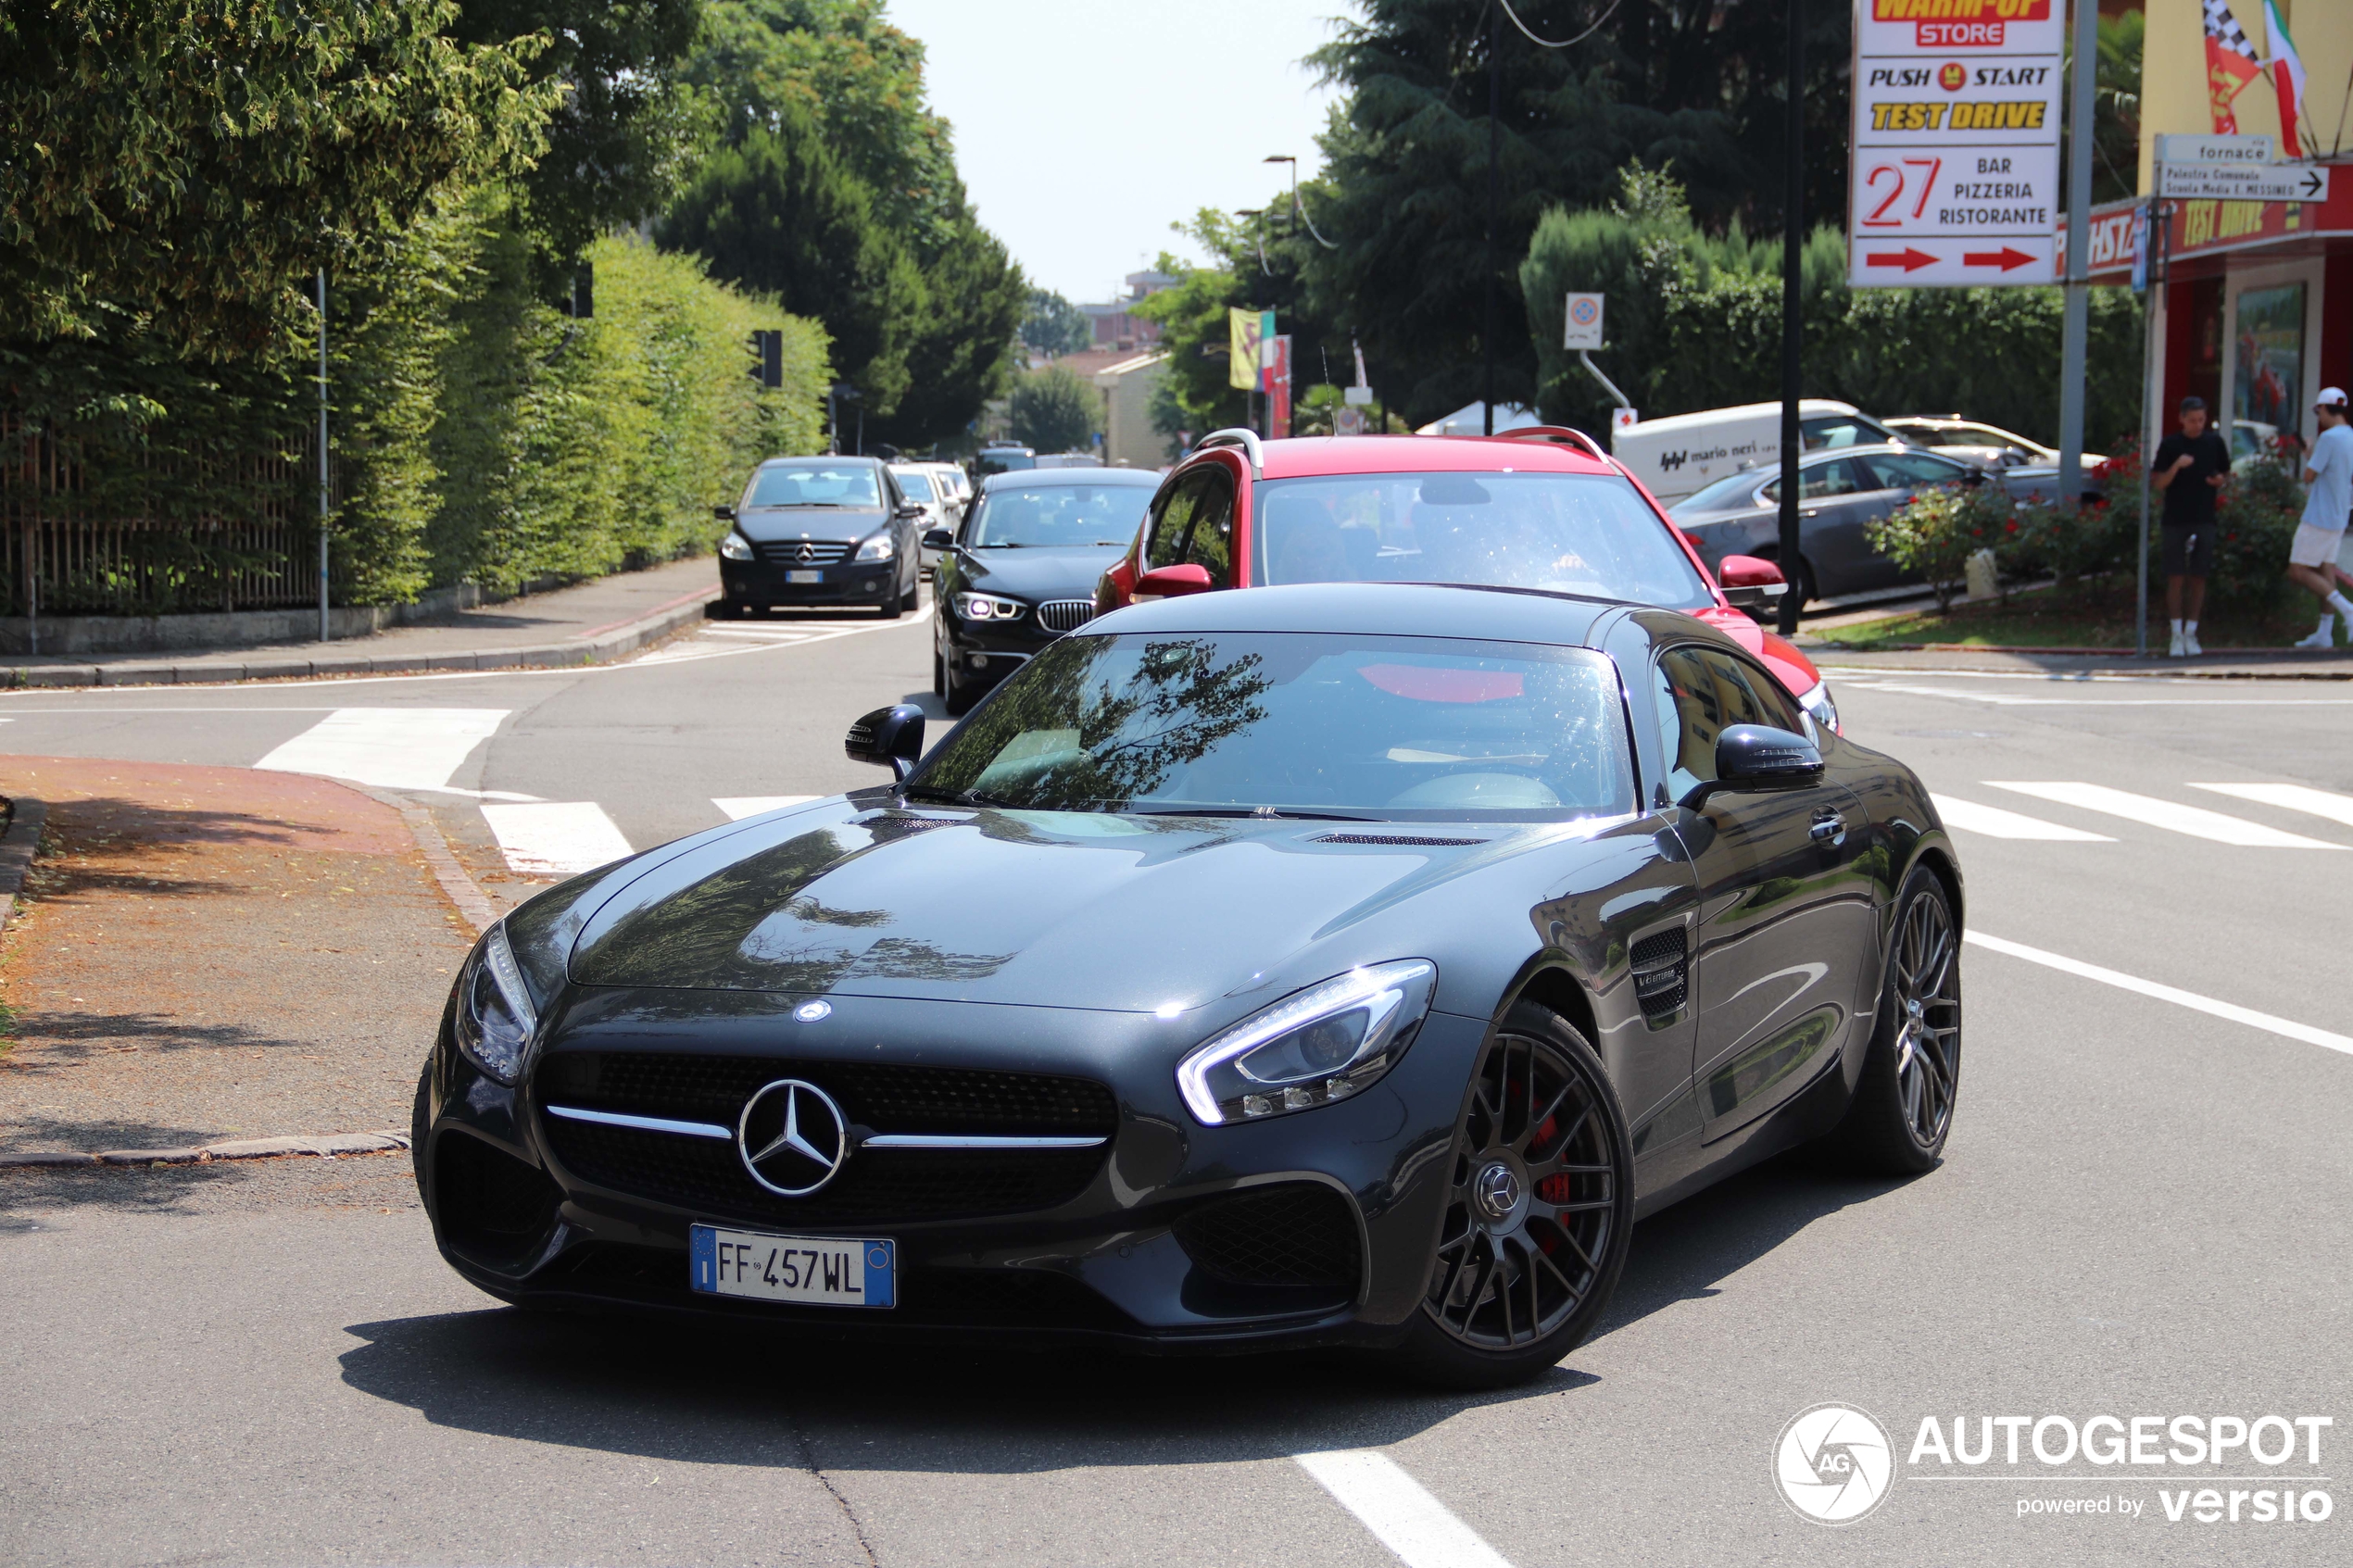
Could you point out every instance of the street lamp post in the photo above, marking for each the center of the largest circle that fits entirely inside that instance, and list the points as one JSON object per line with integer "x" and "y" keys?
{"x": 1792, "y": 318}
{"x": 1494, "y": 153}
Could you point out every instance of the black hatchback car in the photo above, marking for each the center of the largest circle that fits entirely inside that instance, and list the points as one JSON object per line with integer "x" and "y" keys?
{"x": 821, "y": 531}
{"x": 1021, "y": 571}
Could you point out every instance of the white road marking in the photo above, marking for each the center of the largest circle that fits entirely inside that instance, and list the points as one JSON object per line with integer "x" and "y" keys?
{"x": 390, "y": 748}
{"x": 2291, "y": 797}
{"x": 2195, "y": 820}
{"x": 1392, "y": 1505}
{"x": 756, "y": 633}
{"x": 2002, "y": 701}
{"x": 2231, "y": 1010}
{"x": 738, "y": 807}
{"x": 1994, "y": 822}
{"x": 556, "y": 838}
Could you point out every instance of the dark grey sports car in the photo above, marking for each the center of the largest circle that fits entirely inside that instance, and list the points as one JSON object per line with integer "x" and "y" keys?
{"x": 1348, "y": 964}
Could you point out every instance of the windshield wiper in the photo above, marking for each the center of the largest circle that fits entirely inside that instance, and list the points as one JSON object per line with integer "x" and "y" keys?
{"x": 1001, "y": 544}
{"x": 1265, "y": 813}
{"x": 958, "y": 797}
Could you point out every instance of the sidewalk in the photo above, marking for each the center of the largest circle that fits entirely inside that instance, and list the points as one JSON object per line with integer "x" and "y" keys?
{"x": 607, "y": 619}
{"x": 2219, "y": 664}
{"x": 206, "y": 955}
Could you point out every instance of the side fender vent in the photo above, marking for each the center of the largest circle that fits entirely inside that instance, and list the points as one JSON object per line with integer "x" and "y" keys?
{"x": 1661, "y": 963}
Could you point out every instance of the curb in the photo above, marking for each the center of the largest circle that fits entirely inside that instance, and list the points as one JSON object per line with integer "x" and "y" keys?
{"x": 606, "y": 645}
{"x": 17, "y": 850}
{"x": 327, "y": 1146}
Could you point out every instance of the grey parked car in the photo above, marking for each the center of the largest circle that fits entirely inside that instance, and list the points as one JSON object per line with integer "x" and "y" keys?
{"x": 1840, "y": 493}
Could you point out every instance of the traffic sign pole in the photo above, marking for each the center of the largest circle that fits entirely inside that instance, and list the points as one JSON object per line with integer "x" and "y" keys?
{"x": 2076, "y": 327}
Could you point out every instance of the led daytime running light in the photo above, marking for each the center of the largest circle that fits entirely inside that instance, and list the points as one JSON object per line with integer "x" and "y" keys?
{"x": 1382, "y": 987}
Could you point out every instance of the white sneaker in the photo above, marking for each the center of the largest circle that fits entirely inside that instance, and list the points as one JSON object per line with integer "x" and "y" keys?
{"x": 2189, "y": 644}
{"x": 2174, "y": 651}
{"x": 2323, "y": 638}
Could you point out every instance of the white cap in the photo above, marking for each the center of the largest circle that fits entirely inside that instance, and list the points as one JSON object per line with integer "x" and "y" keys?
{"x": 2333, "y": 397}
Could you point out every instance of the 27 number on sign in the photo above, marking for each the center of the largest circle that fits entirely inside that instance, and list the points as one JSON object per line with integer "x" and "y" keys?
{"x": 1893, "y": 179}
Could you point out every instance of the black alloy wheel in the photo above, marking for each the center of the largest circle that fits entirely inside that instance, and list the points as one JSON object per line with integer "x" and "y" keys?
{"x": 1539, "y": 1211}
{"x": 938, "y": 673}
{"x": 1903, "y": 1107}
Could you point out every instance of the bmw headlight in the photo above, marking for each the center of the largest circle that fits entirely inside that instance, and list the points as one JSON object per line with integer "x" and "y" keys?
{"x": 989, "y": 607}
{"x": 882, "y": 546}
{"x": 496, "y": 1020}
{"x": 735, "y": 547}
{"x": 1820, "y": 708}
{"x": 1318, "y": 1046}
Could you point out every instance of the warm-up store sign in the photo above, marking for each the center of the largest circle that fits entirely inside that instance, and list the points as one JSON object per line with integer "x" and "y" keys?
{"x": 1956, "y": 146}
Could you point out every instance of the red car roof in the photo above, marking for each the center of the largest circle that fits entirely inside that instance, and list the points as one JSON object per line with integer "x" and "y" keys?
{"x": 1307, "y": 456}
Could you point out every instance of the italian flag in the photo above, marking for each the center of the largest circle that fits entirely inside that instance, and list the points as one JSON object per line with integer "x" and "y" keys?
{"x": 2286, "y": 68}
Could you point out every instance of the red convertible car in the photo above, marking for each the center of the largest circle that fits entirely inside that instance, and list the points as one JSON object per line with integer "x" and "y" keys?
{"x": 1542, "y": 508}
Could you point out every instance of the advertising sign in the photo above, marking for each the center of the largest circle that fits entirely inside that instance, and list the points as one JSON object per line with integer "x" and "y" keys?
{"x": 2276, "y": 183}
{"x": 1955, "y": 143}
{"x": 1584, "y": 319}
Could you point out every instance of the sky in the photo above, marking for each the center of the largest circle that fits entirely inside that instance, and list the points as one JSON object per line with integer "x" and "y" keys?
{"x": 1085, "y": 126}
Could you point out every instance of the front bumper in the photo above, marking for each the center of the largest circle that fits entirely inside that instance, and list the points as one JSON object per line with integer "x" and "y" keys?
{"x": 1133, "y": 1248}
{"x": 758, "y": 582}
{"x": 982, "y": 653}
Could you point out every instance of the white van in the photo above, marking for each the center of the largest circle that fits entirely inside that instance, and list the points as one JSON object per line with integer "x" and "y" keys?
{"x": 1684, "y": 454}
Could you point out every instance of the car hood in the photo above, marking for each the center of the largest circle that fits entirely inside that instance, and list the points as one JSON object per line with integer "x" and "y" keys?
{"x": 1048, "y": 573}
{"x": 761, "y": 525}
{"x": 1029, "y": 907}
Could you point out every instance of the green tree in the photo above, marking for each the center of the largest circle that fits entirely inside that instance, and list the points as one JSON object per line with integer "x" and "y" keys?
{"x": 1052, "y": 411}
{"x": 778, "y": 214}
{"x": 959, "y": 347}
{"x": 1054, "y": 326}
{"x": 185, "y": 164}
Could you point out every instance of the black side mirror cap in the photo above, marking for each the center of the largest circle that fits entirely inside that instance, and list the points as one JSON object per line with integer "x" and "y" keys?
{"x": 1755, "y": 757}
{"x": 908, "y": 509}
{"x": 725, "y": 514}
{"x": 889, "y": 737}
{"x": 939, "y": 538}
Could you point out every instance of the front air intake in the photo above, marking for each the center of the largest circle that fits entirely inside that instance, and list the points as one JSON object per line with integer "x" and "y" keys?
{"x": 1661, "y": 966}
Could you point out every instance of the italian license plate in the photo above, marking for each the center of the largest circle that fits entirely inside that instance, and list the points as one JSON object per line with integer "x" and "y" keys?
{"x": 804, "y": 577}
{"x": 808, "y": 1270}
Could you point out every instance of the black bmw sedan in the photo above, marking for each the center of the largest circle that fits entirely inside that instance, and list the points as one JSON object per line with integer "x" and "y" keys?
{"x": 821, "y": 531}
{"x": 1344, "y": 964}
{"x": 1021, "y": 571}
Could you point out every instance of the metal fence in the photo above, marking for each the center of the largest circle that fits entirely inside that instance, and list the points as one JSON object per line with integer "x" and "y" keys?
{"x": 249, "y": 538}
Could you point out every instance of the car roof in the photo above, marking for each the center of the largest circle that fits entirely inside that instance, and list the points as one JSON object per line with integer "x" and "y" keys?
{"x": 1666, "y": 424}
{"x": 818, "y": 458}
{"x": 1142, "y": 479}
{"x": 1409, "y": 610}
{"x": 1316, "y": 456}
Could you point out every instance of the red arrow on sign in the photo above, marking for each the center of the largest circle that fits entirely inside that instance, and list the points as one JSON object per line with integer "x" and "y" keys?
{"x": 1907, "y": 258}
{"x": 2004, "y": 258}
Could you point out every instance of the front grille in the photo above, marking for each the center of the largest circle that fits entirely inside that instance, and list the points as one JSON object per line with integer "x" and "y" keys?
{"x": 1030, "y": 1298}
{"x": 1659, "y": 962}
{"x": 1410, "y": 840}
{"x": 874, "y": 1184}
{"x": 1294, "y": 1234}
{"x": 790, "y": 552}
{"x": 1065, "y": 615}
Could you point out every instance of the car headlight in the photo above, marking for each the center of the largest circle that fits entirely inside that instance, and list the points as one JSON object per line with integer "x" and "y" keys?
{"x": 989, "y": 607}
{"x": 736, "y": 546}
{"x": 882, "y": 546}
{"x": 1820, "y": 708}
{"x": 496, "y": 1020}
{"x": 1323, "y": 1044}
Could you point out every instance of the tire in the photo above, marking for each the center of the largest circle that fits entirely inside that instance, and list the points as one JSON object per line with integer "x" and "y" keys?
{"x": 959, "y": 697}
{"x": 1902, "y": 1112}
{"x": 1801, "y": 583}
{"x": 417, "y": 1127}
{"x": 939, "y": 675}
{"x": 892, "y": 607}
{"x": 1541, "y": 1269}
{"x": 723, "y": 609}
{"x": 915, "y": 594}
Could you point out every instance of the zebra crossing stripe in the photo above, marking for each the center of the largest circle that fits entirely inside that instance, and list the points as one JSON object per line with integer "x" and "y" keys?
{"x": 1422, "y": 1531}
{"x": 556, "y": 837}
{"x": 2290, "y": 797}
{"x": 2195, "y": 820}
{"x": 389, "y": 747}
{"x": 1994, "y": 822}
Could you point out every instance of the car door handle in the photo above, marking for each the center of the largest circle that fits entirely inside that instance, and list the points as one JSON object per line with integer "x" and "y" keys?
{"x": 1810, "y": 511}
{"x": 1829, "y": 827}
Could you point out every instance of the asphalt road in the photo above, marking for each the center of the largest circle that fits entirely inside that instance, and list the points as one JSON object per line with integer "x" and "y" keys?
{"x": 2143, "y": 1214}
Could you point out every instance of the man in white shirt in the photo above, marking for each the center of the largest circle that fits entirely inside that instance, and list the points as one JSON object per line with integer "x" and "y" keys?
{"x": 2312, "y": 558}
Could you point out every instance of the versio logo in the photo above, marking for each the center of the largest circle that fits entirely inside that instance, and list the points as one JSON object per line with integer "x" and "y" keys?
{"x": 1833, "y": 1463}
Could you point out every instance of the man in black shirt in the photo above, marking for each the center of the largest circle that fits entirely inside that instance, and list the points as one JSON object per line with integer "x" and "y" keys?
{"x": 2190, "y": 467}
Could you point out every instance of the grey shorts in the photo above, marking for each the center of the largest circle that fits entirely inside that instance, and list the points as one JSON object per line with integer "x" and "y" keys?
{"x": 2189, "y": 552}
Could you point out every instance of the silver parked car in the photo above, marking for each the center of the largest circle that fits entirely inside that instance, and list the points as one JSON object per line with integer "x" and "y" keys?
{"x": 1840, "y": 493}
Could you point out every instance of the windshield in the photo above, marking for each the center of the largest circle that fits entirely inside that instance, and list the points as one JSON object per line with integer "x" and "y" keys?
{"x": 916, "y": 484}
{"x": 816, "y": 484}
{"x": 1572, "y": 533}
{"x": 1031, "y": 516}
{"x": 1726, "y": 495}
{"x": 1307, "y": 723}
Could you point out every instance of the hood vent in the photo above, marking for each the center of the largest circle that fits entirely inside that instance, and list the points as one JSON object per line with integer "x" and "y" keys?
{"x": 1411, "y": 840}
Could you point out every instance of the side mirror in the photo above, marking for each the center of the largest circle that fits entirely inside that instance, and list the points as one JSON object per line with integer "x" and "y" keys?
{"x": 889, "y": 737}
{"x": 725, "y": 514}
{"x": 1750, "y": 758}
{"x": 908, "y": 509}
{"x": 1750, "y": 582}
{"x": 1172, "y": 582}
{"x": 939, "y": 538}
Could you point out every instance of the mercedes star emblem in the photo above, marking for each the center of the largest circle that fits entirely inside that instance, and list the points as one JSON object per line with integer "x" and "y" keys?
{"x": 1498, "y": 1190}
{"x": 808, "y": 552}
{"x": 792, "y": 1137}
